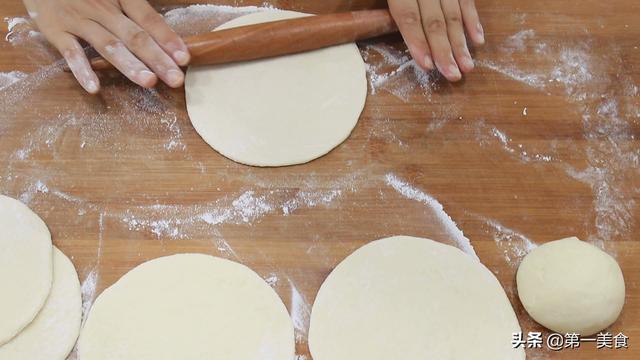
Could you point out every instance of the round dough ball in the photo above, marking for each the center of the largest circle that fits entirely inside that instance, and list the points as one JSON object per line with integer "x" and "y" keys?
{"x": 26, "y": 268}
{"x": 570, "y": 286}
{"x": 408, "y": 298}
{"x": 53, "y": 333}
{"x": 280, "y": 111}
{"x": 188, "y": 306}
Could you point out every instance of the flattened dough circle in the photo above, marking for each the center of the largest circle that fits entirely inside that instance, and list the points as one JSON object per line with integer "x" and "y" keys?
{"x": 26, "y": 268}
{"x": 408, "y": 298}
{"x": 188, "y": 306}
{"x": 53, "y": 333}
{"x": 280, "y": 111}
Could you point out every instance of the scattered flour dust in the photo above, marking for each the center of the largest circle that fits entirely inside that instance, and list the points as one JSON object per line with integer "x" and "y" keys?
{"x": 590, "y": 85}
{"x": 9, "y": 78}
{"x": 14, "y": 96}
{"x": 22, "y": 32}
{"x": 198, "y": 19}
{"x": 514, "y": 245}
{"x": 300, "y": 312}
{"x": 518, "y": 41}
{"x": 511, "y": 71}
{"x": 88, "y": 290}
{"x": 413, "y": 193}
{"x": 247, "y": 208}
{"x": 518, "y": 150}
{"x": 613, "y": 161}
{"x": 272, "y": 280}
{"x": 310, "y": 199}
{"x": 394, "y": 71}
{"x": 13, "y": 26}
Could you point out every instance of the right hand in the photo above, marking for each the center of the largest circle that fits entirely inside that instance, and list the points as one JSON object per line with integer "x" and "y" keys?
{"x": 434, "y": 32}
{"x": 130, "y": 34}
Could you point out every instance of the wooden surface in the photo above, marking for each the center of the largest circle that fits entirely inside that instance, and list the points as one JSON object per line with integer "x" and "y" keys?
{"x": 541, "y": 139}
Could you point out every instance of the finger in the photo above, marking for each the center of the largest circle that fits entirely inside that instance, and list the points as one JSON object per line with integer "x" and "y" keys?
{"x": 407, "y": 15}
{"x": 75, "y": 57}
{"x": 455, "y": 30}
{"x": 147, "y": 18}
{"x": 472, "y": 21}
{"x": 143, "y": 46}
{"x": 435, "y": 28}
{"x": 114, "y": 51}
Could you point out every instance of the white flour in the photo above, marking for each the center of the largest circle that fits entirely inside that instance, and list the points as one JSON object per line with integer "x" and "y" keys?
{"x": 197, "y": 19}
{"x": 13, "y": 97}
{"x": 518, "y": 41}
{"x": 394, "y": 71}
{"x": 384, "y": 129}
{"x": 410, "y": 192}
{"x": 300, "y": 313}
{"x": 13, "y": 24}
{"x": 88, "y": 289}
{"x": 514, "y": 245}
{"x": 573, "y": 71}
{"x": 272, "y": 280}
{"x": 518, "y": 150}
{"x": 511, "y": 71}
{"x": 246, "y": 208}
{"x": 606, "y": 119}
{"x": 9, "y": 78}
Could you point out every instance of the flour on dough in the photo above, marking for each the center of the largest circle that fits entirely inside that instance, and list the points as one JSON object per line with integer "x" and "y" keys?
{"x": 571, "y": 286}
{"x": 407, "y": 298}
{"x": 188, "y": 306}
{"x": 279, "y": 111}
{"x": 53, "y": 333}
{"x": 26, "y": 268}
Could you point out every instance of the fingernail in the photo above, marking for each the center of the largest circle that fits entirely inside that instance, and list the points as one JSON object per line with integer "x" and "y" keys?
{"x": 454, "y": 71}
{"x": 181, "y": 57}
{"x": 467, "y": 60}
{"x": 428, "y": 63}
{"x": 468, "y": 63}
{"x": 146, "y": 77}
{"x": 91, "y": 86}
{"x": 453, "y": 68}
{"x": 174, "y": 77}
{"x": 480, "y": 33}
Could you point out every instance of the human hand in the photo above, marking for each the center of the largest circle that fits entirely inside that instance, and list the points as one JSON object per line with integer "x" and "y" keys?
{"x": 130, "y": 34}
{"x": 434, "y": 33}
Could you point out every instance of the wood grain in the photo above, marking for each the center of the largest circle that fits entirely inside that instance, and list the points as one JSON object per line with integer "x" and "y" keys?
{"x": 568, "y": 91}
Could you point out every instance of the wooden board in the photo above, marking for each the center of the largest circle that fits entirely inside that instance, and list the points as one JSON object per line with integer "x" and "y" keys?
{"x": 539, "y": 143}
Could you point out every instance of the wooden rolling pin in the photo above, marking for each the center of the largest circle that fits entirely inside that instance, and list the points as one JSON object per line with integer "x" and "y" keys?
{"x": 282, "y": 37}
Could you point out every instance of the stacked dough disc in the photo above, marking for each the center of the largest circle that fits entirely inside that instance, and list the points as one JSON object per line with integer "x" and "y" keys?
{"x": 40, "y": 305}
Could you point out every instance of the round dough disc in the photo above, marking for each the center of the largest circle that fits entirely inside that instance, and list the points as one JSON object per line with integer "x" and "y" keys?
{"x": 570, "y": 286}
{"x": 188, "y": 306}
{"x": 26, "y": 268}
{"x": 279, "y": 111}
{"x": 408, "y": 298}
{"x": 53, "y": 333}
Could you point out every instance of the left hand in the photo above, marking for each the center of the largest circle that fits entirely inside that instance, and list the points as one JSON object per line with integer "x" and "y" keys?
{"x": 434, "y": 31}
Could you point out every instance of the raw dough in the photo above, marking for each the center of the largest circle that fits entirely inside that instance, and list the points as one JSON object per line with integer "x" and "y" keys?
{"x": 25, "y": 266}
{"x": 188, "y": 306}
{"x": 53, "y": 333}
{"x": 407, "y": 298}
{"x": 279, "y": 111}
{"x": 570, "y": 286}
